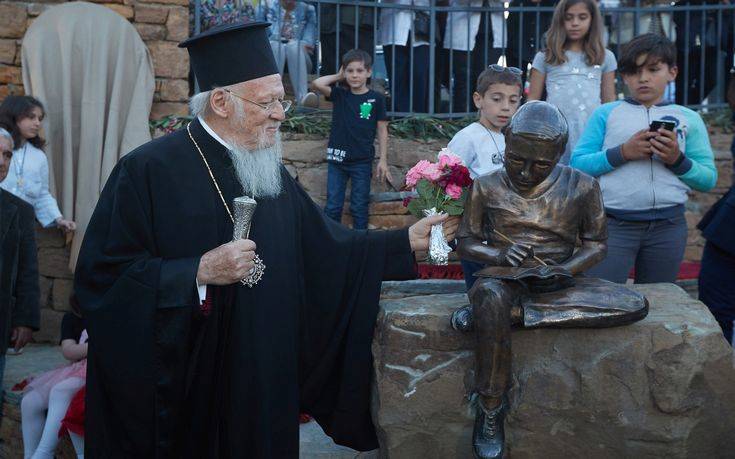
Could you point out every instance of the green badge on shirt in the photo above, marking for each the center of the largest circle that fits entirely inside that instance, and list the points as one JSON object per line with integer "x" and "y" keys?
{"x": 365, "y": 109}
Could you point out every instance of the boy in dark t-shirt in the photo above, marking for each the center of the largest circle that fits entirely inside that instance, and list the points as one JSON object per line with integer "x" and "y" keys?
{"x": 358, "y": 113}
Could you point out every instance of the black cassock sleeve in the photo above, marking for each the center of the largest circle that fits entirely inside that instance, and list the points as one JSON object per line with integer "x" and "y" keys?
{"x": 27, "y": 293}
{"x": 342, "y": 274}
{"x": 124, "y": 290}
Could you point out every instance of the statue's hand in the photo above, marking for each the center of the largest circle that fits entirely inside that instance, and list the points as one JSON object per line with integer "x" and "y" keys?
{"x": 517, "y": 253}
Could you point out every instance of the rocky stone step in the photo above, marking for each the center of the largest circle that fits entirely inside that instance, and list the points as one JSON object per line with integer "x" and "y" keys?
{"x": 661, "y": 387}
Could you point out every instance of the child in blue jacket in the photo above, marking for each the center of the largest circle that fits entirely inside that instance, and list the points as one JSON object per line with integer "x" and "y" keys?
{"x": 645, "y": 171}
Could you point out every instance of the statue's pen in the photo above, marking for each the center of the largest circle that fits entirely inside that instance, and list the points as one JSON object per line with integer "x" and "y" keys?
{"x": 510, "y": 241}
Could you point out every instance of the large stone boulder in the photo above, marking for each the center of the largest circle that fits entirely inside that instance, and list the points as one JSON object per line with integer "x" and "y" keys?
{"x": 661, "y": 387}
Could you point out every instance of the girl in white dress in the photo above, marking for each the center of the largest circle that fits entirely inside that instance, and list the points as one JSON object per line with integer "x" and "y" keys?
{"x": 28, "y": 177}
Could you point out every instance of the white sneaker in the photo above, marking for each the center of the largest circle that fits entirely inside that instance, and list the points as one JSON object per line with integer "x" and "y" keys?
{"x": 310, "y": 100}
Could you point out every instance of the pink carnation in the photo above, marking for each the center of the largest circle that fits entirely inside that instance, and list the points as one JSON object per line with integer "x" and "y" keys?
{"x": 432, "y": 172}
{"x": 416, "y": 173}
{"x": 448, "y": 159}
{"x": 453, "y": 191}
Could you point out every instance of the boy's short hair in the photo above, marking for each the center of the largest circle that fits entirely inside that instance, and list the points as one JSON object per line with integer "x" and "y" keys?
{"x": 493, "y": 75}
{"x": 357, "y": 55}
{"x": 657, "y": 48}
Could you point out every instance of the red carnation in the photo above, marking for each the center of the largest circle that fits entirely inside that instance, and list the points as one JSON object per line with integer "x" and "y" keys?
{"x": 460, "y": 176}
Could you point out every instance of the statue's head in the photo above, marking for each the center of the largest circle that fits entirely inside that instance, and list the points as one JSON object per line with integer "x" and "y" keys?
{"x": 535, "y": 140}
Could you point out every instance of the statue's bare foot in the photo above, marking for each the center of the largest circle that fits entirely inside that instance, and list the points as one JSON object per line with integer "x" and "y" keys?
{"x": 462, "y": 319}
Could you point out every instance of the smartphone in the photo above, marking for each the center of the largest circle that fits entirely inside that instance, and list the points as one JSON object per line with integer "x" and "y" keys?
{"x": 658, "y": 124}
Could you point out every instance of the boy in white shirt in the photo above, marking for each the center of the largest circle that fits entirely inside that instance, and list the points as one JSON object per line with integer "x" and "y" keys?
{"x": 481, "y": 145}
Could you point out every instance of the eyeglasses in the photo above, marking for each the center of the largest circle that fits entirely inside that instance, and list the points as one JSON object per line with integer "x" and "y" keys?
{"x": 501, "y": 69}
{"x": 269, "y": 107}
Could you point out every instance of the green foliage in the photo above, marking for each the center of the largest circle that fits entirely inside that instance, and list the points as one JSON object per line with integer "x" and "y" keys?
{"x": 169, "y": 123}
{"x": 431, "y": 195}
{"x": 720, "y": 118}
{"x": 319, "y": 123}
{"x": 427, "y": 128}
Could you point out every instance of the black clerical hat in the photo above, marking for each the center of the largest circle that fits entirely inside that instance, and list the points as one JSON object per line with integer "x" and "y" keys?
{"x": 230, "y": 54}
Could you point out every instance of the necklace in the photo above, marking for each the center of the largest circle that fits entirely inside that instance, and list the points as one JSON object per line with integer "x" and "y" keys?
{"x": 496, "y": 158}
{"x": 19, "y": 169}
{"x": 257, "y": 272}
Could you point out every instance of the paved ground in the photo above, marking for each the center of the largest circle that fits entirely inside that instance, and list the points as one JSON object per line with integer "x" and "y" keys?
{"x": 38, "y": 358}
{"x": 316, "y": 445}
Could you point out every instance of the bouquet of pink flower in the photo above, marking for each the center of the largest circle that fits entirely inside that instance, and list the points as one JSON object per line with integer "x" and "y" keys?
{"x": 441, "y": 187}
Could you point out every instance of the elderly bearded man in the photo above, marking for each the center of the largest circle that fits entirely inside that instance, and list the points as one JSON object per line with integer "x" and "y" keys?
{"x": 168, "y": 377}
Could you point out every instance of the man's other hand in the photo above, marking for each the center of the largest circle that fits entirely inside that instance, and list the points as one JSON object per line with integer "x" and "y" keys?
{"x": 20, "y": 336}
{"x": 418, "y": 233}
{"x": 227, "y": 263}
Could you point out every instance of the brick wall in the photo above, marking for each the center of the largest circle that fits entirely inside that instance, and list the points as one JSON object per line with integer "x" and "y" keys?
{"x": 160, "y": 23}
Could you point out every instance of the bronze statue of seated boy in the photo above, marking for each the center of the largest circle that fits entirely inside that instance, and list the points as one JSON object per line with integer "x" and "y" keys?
{"x": 536, "y": 226}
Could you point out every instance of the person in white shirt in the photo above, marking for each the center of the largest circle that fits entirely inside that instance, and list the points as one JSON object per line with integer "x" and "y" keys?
{"x": 400, "y": 31}
{"x": 28, "y": 175}
{"x": 481, "y": 145}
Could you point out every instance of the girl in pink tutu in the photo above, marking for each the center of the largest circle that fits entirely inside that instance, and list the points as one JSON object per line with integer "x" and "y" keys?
{"x": 48, "y": 395}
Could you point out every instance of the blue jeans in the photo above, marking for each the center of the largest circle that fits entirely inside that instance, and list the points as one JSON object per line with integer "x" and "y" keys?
{"x": 655, "y": 248}
{"x": 469, "y": 268}
{"x": 359, "y": 174}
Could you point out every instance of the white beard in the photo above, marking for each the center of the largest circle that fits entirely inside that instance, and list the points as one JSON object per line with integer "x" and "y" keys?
{"x": 259, "y": 170}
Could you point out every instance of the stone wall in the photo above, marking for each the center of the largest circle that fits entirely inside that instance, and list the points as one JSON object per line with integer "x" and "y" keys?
{"x": 56, "y": 282}
{"x": 160, "y": 23}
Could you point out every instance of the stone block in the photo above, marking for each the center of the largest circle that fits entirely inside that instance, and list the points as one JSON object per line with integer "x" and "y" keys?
{"x": 18, "y": 55}
{"x": 162, "y": 109}
{"x": 306, "y": 151}
{"x": 150, "y": 31}
{"x": 45, "y": 285}
{"x": 391, "y": 221}
{"x": 661, "y": 387}
{"x": 60, "y": 294}
{"x": 50, "y": 331}
{"x": 7, "y": 51}
{"x": 49, "y": 237}
{"x": 8, "y": 89}
{"x": 29, "y": 22}
{"x": 54, "y": 262}
{"x": 169, "y": 61}
{"x": 12, "y": 19}
{"x": 406, "y": 153}
{"x": 292, "y": 170}
{"x": 388, "y": 208}
{"x": 314, "y": 180}
{"x": 693, "y": 253}
{"x": 10, "y": 74}
{"x": 166, "y": 2}
{"x": 174, "y": 90}
{"x": 177, "y": 24}
{"x": 125, "y": 11}
{"x": 35, "y": 9}
{"x": 151, "y": 14}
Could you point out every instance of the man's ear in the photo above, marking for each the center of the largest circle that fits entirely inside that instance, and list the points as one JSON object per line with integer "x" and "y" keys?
{"x": 218, "y": 101}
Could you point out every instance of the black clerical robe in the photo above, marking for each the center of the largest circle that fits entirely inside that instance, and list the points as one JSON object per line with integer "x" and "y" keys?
{"x": 166, "y": 381}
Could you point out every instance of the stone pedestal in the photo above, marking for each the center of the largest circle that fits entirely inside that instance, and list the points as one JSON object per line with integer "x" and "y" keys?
{"x": 661, "y": 387}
